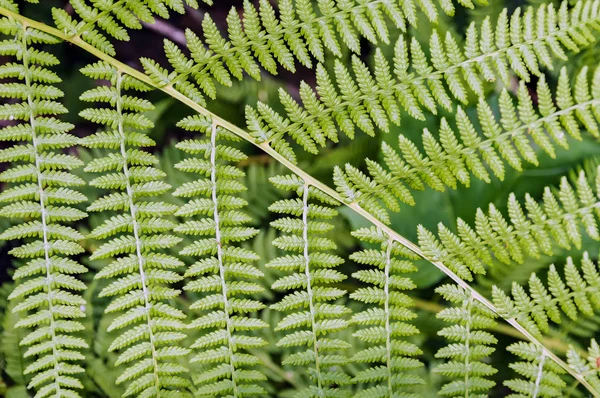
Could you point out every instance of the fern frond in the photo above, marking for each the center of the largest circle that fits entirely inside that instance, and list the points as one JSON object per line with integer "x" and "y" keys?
{"x": 574, "y": 295}
{"x": 384, "y": 325}
{"x": 469, "y": 345}
{"x": 540, "y": 376}
{"x": 558, "y": 220}
{"x": 269, "y": 38}
{"x": 150, "y": 328}
{"x": 310, "y": 320}
{"x": 101, "y": 20}
{"x": 359, "y": 98}
{"x": 505, "y": 143}
{"x": 223, "y": 272}
{"x": 46, "y": 290}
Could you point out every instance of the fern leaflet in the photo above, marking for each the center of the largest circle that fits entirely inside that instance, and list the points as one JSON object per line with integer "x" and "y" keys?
{"x": 150, "y": 328}
{"x": 223, "y": 271}
{"x": 384, "y": 325}
{"x": 113, "y": 18}
{"x": 310, "y": 319}
{"x": 470, "y": 344}
{"x": 41, "y": 192}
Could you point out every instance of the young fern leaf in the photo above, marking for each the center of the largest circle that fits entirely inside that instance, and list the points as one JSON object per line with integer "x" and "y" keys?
{"x": 259, "y": 38}
{"x": 223, "y": 271}
{"x": 101, "y": 20}
{"x": 149, "y": 327}
{"x": 470, "y": 344}
{"x": 383, "y": 325}
{"x": 40, "y": 192}
{"x": 505, "y": 142}
{"x": 371, "y": 100}
{"x": 529, "y": 233}
{"x": 311, "y": 319}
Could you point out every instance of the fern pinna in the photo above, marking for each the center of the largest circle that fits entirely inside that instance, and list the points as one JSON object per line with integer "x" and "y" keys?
{"x": 40, "y": 192}
{"x": 383, "y": 326}
{"x": 149, "y": 327}
{"x": 223, "y": 271}
{"x": 311, "y": 320}
{"x": 470, "y": 345}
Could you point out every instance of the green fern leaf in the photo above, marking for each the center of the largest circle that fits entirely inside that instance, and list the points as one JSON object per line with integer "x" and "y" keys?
{"x": 223, "y": 273}
{"x": 149, "y": 326}
{"x": 46, "y": 295}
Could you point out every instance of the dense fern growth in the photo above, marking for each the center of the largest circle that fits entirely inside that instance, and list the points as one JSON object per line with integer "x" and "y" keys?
{"x": 469, "y": 345}
{"x": 148, "y": 330}
{"x": 382, "y": 326}
{"x": 366, "y": 100}
{"x": 311, "y": 319}
{"x": 223, "y": 271}
{"x": 176, "y": 304}
{"x": 40, "y": 192}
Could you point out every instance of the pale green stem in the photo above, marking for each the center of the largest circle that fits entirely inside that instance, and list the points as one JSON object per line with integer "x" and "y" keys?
{"x": 302, "y": 174}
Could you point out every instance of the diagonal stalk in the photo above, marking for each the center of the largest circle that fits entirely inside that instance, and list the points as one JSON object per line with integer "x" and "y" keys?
{"x": 307, "y": 178}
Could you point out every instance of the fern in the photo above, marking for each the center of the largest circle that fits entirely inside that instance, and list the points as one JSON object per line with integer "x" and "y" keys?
{"x": 540, "y": 377}
{"x": 575, "y": 295}
{"x": 470, "y": 344}
{"x": 587, "y": 366}
{"x": 371, "y": 100}
{"x": 310, "y": 318}
{"x": 260, "y": 39}
{"x": 112, "y": 18}
{"x": 385, "y": 324}
{"x": 40, "y": 193}
{"x": 223, "y": 271}
{"x": 232, "y": 352}
{"x": 149, "y": 327}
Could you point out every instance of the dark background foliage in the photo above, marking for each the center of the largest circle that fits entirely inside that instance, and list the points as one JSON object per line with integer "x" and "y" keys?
{"x": 432, "y": 207}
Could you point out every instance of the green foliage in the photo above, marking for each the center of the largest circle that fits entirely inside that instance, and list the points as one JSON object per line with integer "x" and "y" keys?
{"x": 448, "y": 161}
{"x": 369, "y": 100}
{"x": 149, "y": 327}
{"x": 556, "y": 222}
{"x": 261, "y": 38}
{"x": 223, "y": 270}
{"x": 40, "y": 193}
{"x": 574, "y": 296}
{"x": 176, "y": 304}
{"x": 470, "y": 344}
{"x": 113, "y": 18}
{"x": 311, "y": 320}
{"x": 384, "y": 325}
